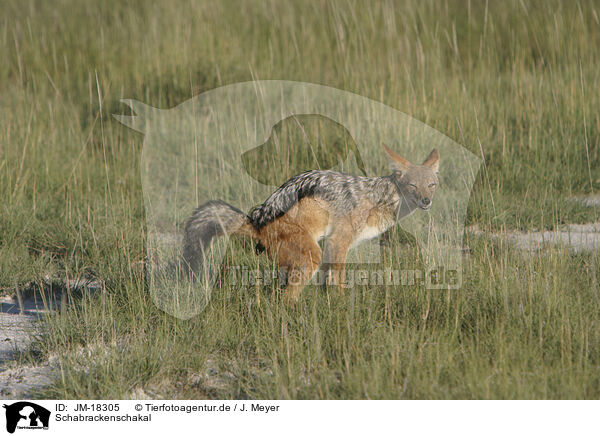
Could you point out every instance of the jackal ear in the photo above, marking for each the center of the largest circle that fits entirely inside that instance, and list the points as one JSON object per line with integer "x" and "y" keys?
{"x": 398, "y": 163}
{"x": 433, "y": 160}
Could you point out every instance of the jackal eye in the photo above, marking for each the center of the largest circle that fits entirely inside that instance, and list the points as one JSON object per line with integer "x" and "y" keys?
{"x": 412, "y": 185}
{"x": 432, "y": 185}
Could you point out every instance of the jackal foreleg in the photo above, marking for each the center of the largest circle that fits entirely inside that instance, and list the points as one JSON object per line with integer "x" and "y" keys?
{"x": 334, "y": 256}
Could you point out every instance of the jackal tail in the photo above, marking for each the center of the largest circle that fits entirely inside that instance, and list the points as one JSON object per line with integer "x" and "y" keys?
{"x": 212, "y": 219}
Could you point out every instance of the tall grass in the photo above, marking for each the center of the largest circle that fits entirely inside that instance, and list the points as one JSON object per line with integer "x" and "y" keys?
{"x": 515, "y": 82}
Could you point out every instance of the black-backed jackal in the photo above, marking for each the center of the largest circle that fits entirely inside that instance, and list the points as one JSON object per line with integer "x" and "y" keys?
{"x": 344, "y": 209}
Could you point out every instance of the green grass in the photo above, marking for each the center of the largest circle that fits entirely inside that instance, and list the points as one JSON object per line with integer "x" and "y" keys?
{"x": 514, "y": 82}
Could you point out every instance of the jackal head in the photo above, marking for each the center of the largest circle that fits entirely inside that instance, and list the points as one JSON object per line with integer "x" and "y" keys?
{"x": 416, "y": 183}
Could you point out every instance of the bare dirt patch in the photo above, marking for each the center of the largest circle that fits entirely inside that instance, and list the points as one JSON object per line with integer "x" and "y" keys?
{"x": 578, "y": 237}
{"x": 588, "y": 200}
{"x": 18, "y": 328}
{"x": 19, "y": 316}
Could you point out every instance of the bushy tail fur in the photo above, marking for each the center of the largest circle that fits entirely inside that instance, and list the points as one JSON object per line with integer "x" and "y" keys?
{"x": 214, "y": 218}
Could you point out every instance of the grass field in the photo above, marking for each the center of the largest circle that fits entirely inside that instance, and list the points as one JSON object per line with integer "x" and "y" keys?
{"x": 514, "y": 82}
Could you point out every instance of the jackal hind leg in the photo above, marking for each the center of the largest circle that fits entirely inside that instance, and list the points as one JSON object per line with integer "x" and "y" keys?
{"x": 301, "y": 256}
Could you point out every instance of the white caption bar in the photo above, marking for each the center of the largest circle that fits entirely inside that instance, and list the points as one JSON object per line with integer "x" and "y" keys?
{"x": 297, "y": 417}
